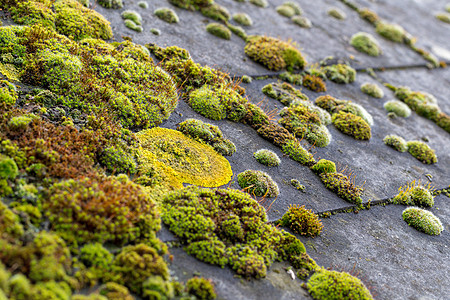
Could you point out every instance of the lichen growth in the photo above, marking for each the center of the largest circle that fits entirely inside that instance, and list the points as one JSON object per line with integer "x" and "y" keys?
{"x": 422, "y": 220}
{"x": 274, "y": 54}
{"x": 396, "y": 142}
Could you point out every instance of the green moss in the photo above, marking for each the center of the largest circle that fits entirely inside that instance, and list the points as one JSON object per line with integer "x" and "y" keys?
{"x": 260, "y": 3}
{"x": 239, "y": 31}
{"x": 422, "y": 152}
{"x": 422, "y": 220}
{"x": 134, "y": 264}
{"x": 352, "y": 125}
{"x": 285, "y": 10}
{"x": 369, "y": 15}
{"x": 167, "y": 15}
{"x": 267, "y": 157}
{"x": 215, "y": 12}
{"x": 333, "y": 285}
{"x": 114, "y": 4}
{"x": 274, "y": 54}
{"x": 191, "y": 162}
{"x": 201, "y": 288}
{"x": 209, "y": 251}
{"x": 34, "y": 12}
{"x": 295, "y": 183}
{"x": 301, "y": 21}
{"x": 443, "y": 121}
{"x": 96, "y": 257}
{"x": 20, "y": 287}
{"x": 219, "y": 30}
{"x": 302, "y": 221}
{"x": 155, "y": 31}
{"x": 8, "y": 168}
{"x": 284, "y": 92}
{"x": 392, "y": 32}
{"x": 337, "y": 13}
{"x": 117, "y": 160}
{"x": 8, "y": 93}
{"x": 243, "y": 19}
{"x": 208, "y": 134}
{"x": 444, "y": 17}
{"x": 324, "y": 166}
{"x": 133, "y": 16}
{"x": 296, "y": 79}
{"x": 247, "y": 79}
{"x": 88, "y": 297}
{"x": 93, "y": 215}
{"x": 307, "y": 121}
{"x": 258, "y": 183}
{"x": 398, "y": 108}
{"x": 340, "y": 73}
{"x": 314, "y": 83}
{"x": 396, "y": 142}
{"x": 372, "y": 90}
{"x": 342, "y": 186}
{"x": 255, "y": 117}
{"x": 143, "y": 4}
{"x": 114, "y": 291}
{"x": 10, "y": 227}
{"x": 294, "y": 149}
{"x": 414, "y": 194}
{"x": 366, "y": 43}
{"x": 133, "y": 26}
{"x": 155, "y": 287}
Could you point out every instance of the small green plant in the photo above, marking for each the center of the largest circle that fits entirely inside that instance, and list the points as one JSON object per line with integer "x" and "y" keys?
{"x": 333, "y": 285}
{"x": 289, "y": 9}
{"x": 258, "y": 183}
{"x": 133, "y": 16}
{"x": 294, "y": 149}
{"x": 115, "y": 4}
{"x": 392, "y": 32}
{"x": 397, "y": 107}
{"x": 369, "y": 15}
{"x": 143, "y": 4}
{"x": 366, "y": 43}
{"x": 324, "y": 166}
{"x": 372, "y": 90}
{"x": 295, "y": 183}
{"x": 301, "y": 21}
{"x": 342, "y": 186}
{"x": 422, "y": 220}
{"x": 260, "y": 3}
{"x": 21, "y": 122}
{"x": 133, "y": 26}
{"x": 216, "y": 12}
{"x": 396, "y": 142}
{"x": 337, "y": 13}
{"x": 415, "y": 194}
{"x": 243, "y": 19}
{"x": 267, "y": 157}
{"x": 201, "y": 288}
{"x": 422, "y": 152}
{"x": 219, "y": 30}
{"x": 444, "y": 17}
{"x": 302, "y": 221}
{"x": 166, "y": 14}
{"x": 340, "y": 73}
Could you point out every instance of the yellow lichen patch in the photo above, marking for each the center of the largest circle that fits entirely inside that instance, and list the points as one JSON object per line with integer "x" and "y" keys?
{"x": 191, "y": 161}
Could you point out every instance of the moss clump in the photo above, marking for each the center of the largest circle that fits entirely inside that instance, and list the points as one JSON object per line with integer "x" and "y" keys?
{"x": 117, "y": 160}
{"x": 324, "y": 166}
{"x": 294, "y": 149}
{"x": 258, "y": 183}
{"x": 333, "y": 285}
{"x": 372, "y": 90}
{"x": 114, "y": 291}
{"x": 314, "y": 83}
{"x": 399, "y": 108}
{"x": 8, "y": 168}
{"x": 243, "y": 19}
{"x": 340, "y": 73}
{"x": 8, "y": 93}
{"x": 342, "y": 186}
{"x": 219, "y": 30}
{"x": 414, "y": 194}
{"x": 167, "y": 15}
{"x": 302, "y": 221}
{"x": 422, "y": 220}
{"x": 201, "y": 288}
{"x": 337, "y": 13}
{"x": 133, "y": 16}
{"x": 295, "y": 183}
{"x": 307, "y": 121}
{"x": 155, "y": 287}
{"x": 444, "y": 17}
{"x": 133, "y": 26}
{"x": 274, "y": 54}
{"x": 239, "y": 31}
{"x": 369, "y": 15}
{"x": 422, "y": 152}
{"x": 86, "y": 210}
{"x": 352, "y": 125}
{"x": 260, "y": 3}
{"x": 208, "y": 134}
{"x": 247, "y": 79}
{"x": 134, "y": 264}
{"x": 231, "y": 222}
{"x": 392, "y": 32}
{"x": 302, "y": 21}
{"x": 366, "y": 43}
{"x": 396, "y": 142}
{"x": 289, "y": 9}
{"x": 216, "y": 12}
{"x": 114, "y": 4}
{"x": 96, "y": 256}
{"x": 188, "y": 160}
{"x": 267, "y": 157}
{"x": 284, "y": 92}
{"x": 143, "y": 4}
{"x": 10, "y": 227}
